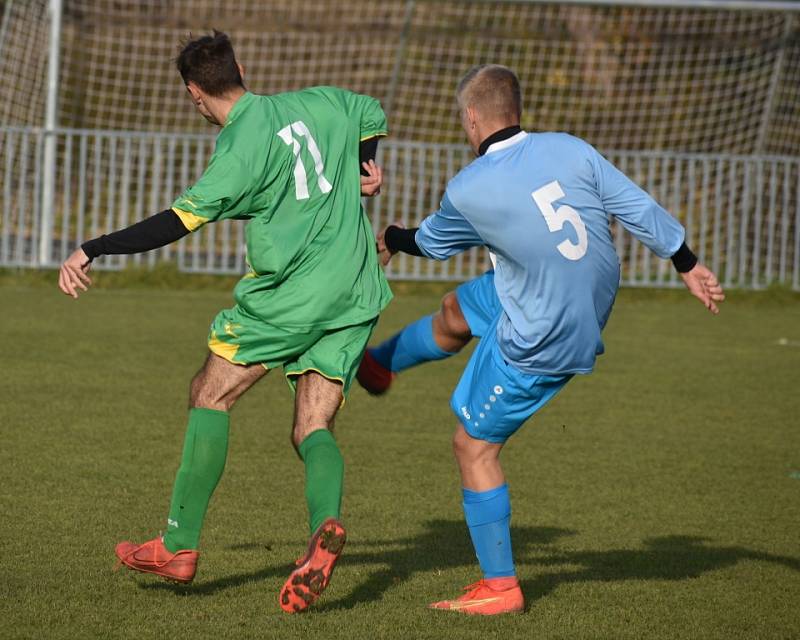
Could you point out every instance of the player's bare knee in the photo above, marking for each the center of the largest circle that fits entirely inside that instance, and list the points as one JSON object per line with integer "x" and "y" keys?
{"x": 317, "y": 400}
{"x": 198, "y": 392}
{"x": 462, "y": 445}
{"x": 301, "y": 432}
{"x": 219, "y": 384}
{"x": 452, "y": 321}
{"x": 471, "y": 451}
{"x": 205, "y": 398}
{"x": 206, "y": 393}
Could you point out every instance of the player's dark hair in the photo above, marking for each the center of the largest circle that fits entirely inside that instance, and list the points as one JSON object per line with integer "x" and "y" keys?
{"x": 209, "y": 62}
{"x": 494, "y": 90}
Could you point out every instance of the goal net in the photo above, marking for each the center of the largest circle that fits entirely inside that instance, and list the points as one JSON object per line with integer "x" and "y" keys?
{"x": 622, "y": 77}
{"x": 699, "y": 105}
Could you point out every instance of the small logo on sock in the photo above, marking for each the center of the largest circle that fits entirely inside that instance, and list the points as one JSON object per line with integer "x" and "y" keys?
{"x": 172, "y": 523}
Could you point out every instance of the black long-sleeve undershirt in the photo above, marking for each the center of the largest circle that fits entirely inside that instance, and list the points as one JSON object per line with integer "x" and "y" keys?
{"x": 151, "y": 233}
{"x": 166, "y": 227}
{"x": 398, "y": 239}
{"x": 683, "y": 259}
{"x": 366, "y": 152}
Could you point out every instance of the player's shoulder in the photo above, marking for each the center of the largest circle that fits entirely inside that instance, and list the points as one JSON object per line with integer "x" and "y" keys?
{"x": 326, "y": 90}
{"x": 462, "y": 185}
{"x": 327, "y": 96}
{"x": 560, "y": 140}
{"x": 329, "y": 93}
{"x": 564, "y": 154}
{"x": 472, "y": 179}
{"x": 236, "y": 143}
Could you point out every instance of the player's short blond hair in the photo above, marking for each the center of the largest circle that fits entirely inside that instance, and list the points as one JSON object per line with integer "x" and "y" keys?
{"x": 493, "y": 90}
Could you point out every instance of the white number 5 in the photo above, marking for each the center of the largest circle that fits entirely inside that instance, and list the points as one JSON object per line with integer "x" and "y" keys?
{"x": 555, "y": 219}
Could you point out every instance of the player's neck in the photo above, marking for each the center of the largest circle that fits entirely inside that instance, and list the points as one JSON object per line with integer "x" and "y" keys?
{"x": 497, "y": 133}
{"x": 220, "y": 107}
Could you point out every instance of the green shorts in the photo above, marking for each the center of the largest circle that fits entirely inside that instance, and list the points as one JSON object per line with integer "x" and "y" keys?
{"x": 241, "y": 338}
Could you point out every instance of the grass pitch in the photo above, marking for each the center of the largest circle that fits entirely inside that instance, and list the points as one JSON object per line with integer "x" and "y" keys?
{"x": 657, "y": 498}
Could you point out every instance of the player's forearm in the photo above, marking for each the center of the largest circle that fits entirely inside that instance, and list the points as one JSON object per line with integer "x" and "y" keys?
{"x": 151, "y": 233}
{"x": 398, "y": 239}
{"x": 404, "y": 240}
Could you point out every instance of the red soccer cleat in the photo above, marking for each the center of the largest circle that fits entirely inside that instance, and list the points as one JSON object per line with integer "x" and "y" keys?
{"x": 153, "y": 557}
{"x": 487, "y": 597}
{"x": 373, "y": 376}
{"x": 315, "y": 568}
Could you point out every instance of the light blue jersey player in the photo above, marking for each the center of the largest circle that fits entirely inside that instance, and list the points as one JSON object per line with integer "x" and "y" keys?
{"x": 541, "y": 203}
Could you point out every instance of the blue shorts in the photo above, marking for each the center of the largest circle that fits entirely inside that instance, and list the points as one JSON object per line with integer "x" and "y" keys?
{"x": 493, "y": 398}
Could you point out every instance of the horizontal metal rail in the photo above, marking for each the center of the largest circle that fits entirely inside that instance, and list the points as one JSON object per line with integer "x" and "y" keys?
{"x": 741, "y": 213}
{"x": 717, "y": 5}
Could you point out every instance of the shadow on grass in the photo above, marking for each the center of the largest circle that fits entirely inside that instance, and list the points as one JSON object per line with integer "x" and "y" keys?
{"x": 444, "y": 544}
{"x": 662, "y": 558}
{"x": 213, "y": 586}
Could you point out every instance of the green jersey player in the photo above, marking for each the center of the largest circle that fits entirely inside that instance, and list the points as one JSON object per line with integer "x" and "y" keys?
{"x": 289, "y": 165}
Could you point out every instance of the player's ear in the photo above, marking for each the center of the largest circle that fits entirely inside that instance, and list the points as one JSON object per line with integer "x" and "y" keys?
{"x": 194, "y": 91}
{"x": 241, "y": 69}
{"x": 471, "y": 117}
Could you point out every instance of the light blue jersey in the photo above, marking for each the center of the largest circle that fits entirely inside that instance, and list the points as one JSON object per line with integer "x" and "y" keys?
{"x": 541, "y": 202}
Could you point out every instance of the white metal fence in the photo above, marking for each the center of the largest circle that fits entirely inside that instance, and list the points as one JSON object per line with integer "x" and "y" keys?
{"x": 742, "y": 213}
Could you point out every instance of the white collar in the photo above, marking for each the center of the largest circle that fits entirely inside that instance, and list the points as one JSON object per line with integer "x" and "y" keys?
{"x": 508, "y": 142}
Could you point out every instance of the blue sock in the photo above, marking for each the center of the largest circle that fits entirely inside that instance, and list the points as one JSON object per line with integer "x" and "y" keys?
{"x": 413, "y": 345}
{"x": 488, "y": 515}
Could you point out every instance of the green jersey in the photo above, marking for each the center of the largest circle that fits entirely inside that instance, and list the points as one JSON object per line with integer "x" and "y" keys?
{"x": 289, "y": 163}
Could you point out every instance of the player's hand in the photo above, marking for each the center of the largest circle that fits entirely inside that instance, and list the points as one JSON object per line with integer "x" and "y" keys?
{"x": 703, "y": 285}
{"x": 73, "y": 274}
{"x": 371, "y": 183}
{"x": 384, "y": 255}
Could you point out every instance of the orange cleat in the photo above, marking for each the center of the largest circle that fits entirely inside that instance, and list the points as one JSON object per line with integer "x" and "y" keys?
{"x": 373, "y": 376}
{"x": 315, "y": 568}
{"x": 487, "y": 597}
{"x": 153, "y": 557}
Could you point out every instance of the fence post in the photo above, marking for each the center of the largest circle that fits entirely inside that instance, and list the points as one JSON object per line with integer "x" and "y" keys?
{"x": 769, "y": 104}
{"x": 51, "y": 122}
{"x": 399, "y": 58}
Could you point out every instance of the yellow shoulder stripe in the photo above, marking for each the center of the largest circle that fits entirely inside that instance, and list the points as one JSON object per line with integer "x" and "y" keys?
{"x": 190, "y": 220}
{"x": 380, "y": 134}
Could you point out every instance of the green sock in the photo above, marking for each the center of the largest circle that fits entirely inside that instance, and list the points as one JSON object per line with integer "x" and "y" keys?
{"x": 202, "y": 463}
{"x": 324, "y": 476}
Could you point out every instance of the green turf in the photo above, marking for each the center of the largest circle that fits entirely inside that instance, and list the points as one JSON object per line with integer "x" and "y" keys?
{"x": 657, "y": 498}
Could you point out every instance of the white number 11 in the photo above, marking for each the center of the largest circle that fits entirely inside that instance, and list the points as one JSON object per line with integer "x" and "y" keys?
{"x": 300, "y": 178}
{"x": 555, "y": 219}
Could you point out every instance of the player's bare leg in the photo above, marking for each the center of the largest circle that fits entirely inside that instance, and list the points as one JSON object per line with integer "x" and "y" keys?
{"x": 488, "y": 512}
{"x": 317, "y": 400}
{"x": 434, "y": 337}
{"x": 219, "y": 383}
{"x": 214, "y": 390}
{"x": 450, "y": 328}
{"x": 478, "y": 461}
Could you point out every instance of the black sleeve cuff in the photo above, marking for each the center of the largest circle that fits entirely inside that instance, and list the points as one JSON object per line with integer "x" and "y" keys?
{"x": 398, "y": 239}
{"x": 683, "y": 259}
{"x": 151, "y": 233}
{"x": 366, "y": 152}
